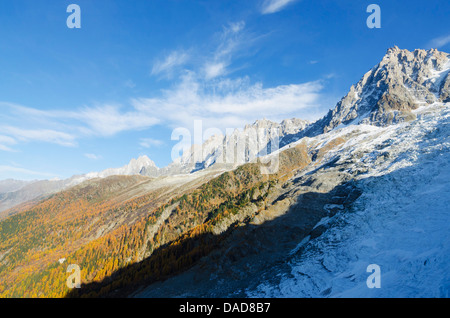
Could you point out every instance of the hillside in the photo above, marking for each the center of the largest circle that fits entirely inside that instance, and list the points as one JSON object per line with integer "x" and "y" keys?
{"x": 378, "y": 196}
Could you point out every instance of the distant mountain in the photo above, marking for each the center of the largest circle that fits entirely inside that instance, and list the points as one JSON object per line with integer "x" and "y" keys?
{"x": 223, "y": 152}
{"x": 11, "y": 185}
{"x": 140, "y": 166}
{"x": 31, "y": 191}
{"x": 256, "y": 140}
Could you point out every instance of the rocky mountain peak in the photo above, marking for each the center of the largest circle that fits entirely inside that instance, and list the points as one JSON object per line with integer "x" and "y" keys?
{"x": 400, "y": 83}
{"x": 142, "y": 161}
{"x": 392, "y": 50}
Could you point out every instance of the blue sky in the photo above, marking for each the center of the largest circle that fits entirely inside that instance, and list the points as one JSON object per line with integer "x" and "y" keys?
{"x": 79, "y": 100}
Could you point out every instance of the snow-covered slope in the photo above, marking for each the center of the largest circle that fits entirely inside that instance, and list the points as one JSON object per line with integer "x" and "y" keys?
{"x": 391, "y": 90}
{"x": 401, "y": 222}
{"x": 370, "y": 195}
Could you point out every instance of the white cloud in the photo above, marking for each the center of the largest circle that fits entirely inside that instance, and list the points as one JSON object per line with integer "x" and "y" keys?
{"x": 6, "y": 142}
{"x": 230, "y": 40}
{"x": 45, "y": 135}
{"x": 6, "y": 148}
{"x": 66, "y": 127}
{"x": 272, "y": 6}
{"x": 439, "y": 42}
{"x": 214, "y": 70}
{"x": 150, "y": 142}
{"x": 211, "y": 61}
{"x": 230, "y": 103}
{"x": 108, "y": 120}
{"x": 236, "y": 27}
{"x": 170, "y": 63}
{"x": 92, "y": 156}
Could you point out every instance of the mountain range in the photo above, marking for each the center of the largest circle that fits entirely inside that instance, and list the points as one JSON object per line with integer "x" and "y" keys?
{"x": 365, "y": 184}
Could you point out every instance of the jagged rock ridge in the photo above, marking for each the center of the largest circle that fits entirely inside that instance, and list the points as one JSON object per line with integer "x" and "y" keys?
{"x": 387, "y": 94}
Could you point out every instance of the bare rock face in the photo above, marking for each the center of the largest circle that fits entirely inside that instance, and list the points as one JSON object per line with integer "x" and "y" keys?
{"x": 239, "y": 147}
{"x": 400, "y": 83}
{"x": 444, "y": 91}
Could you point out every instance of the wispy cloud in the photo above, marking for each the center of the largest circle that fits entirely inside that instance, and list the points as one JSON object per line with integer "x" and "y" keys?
{"x": 66, "y": 126}
{"x": 213, "y": 70}
{"x": 6, "y": 148}
{"x": 208, "y": 92}
{"x": 6, "y": 142}
{"x": 231, "y": 39}
{"x": 109, "y": 120}
{"x": 170, "y": 63}
{"x": 230, "y": 103}
{"x": 272, "y": 6}
{"x": 439, "y": 41}
{"x": 44, "y": 135}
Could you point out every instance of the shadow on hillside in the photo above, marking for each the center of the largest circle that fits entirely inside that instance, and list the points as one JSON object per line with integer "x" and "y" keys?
{"x": 227, "y": 253}
{"x": 165, "y": 261}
